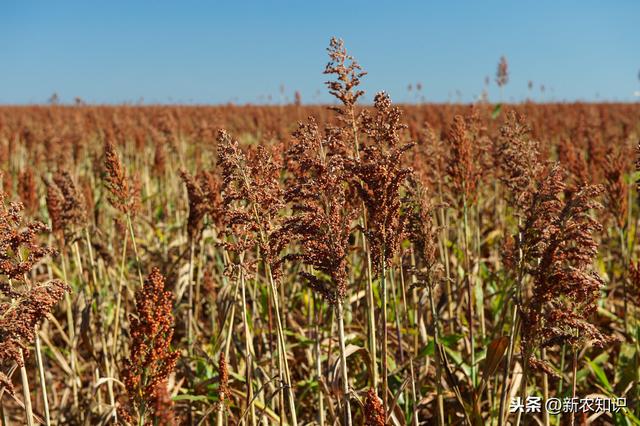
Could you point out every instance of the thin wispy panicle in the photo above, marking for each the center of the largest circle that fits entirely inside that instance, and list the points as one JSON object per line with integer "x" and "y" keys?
{"x": 55, "y": 206}
{"x": 252, "y": 197}
{"x": 160, "y": 158}
{"x": 429, "y": 161}
{"x": 573, "y": 160}
{"x": 634, "y": 280}
{"x": 589, "y": 137}
{"x": 378, "y": 176}
{"x": 224, "y": 391}
{"x": 417, "y": 212}
{"x": 322, "y": 211}
{"x": 518, "y": 161}
{"x": 560, "y": 250}
{"x": 348, "y": 74}
{"x": 637, "y": 169}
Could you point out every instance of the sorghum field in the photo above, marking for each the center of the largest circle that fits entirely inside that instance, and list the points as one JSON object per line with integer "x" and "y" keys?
{"x": 344, "y": 265}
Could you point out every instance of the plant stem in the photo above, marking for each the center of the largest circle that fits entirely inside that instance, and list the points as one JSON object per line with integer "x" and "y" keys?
{"x": 116, "y": 324}
{"x": 43, "y": 383}
{"x": 247, "y": 348}
{"x": 343, "y": 364}
{"x": 467, "y": 276}
{"x": 189, "y": 324}
{"x": 135, "y": 249}
{"x": 507, "y": 366}
{"x": 545, "y": 388}
{"x": 436, "y": 344}
{"x": 72, "y": 332}
{"x": 318, "y": 359}
{"x": 371, "y": 319}
{"x": 385, "y": 336}
{"x": 574, "y": 385}
{"x": 282, "y": 346}
{"x": 26, "y": 392}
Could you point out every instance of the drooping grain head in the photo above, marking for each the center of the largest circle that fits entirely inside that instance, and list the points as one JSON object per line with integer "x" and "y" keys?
{"x": 19, "y": 236}
{"x": 322, "y": 211}
{"x": 378, "y": 175}
{"x": 23, "y": 314}
{"x": 518, "y": 162}
{"x": 252, "y": 198}
{"x": 66, "y": 204}
{"x": 560, "y": 249}
{"x": 417, "y": 213}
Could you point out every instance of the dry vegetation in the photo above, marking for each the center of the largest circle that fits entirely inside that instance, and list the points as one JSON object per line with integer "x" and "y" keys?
{"x": 312, "y": 265}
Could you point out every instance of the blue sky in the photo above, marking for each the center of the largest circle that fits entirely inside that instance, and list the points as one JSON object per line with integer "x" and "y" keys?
{"x": 217, "y": 52}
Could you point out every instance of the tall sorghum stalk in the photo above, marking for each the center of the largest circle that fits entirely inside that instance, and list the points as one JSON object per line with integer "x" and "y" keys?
{"x": 322, "y": 215}
{"x": 518, "y": 165}
{"x": 203, "y": 192}
{"x": 378, "y": 174}
{"x": 559, "y": 248}
{"x": 252, "y": 197}
{"x": 345, "y": 88}
{"x": 424, "y": 267}
{"x": 67, "y": 213}
{"x": 124, "y": 195}
{"x": 151, "y": 359}
{"x": 24, "y": 304}
{"x": 462, "y": 167}
{"x": 616, "y": 193}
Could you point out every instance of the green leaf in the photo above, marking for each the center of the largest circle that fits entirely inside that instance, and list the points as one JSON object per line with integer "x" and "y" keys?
{"x": 450, "y": 340}
{"x": 496, "y": 111}
{"x": 192, "y": 398}
{"x": 427, "y": 350}
{"x": 600, "y": 374}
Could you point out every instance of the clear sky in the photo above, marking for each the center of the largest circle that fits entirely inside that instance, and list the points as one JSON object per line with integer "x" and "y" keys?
{"x": 217, "y": 52}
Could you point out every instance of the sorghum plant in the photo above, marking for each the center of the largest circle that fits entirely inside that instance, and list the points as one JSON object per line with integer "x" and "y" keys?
{"x": 321, "y": 223}
{"x": 151, "y": 360}
{"x": 378, "y": 174}
{"x": 23, "y": 303}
